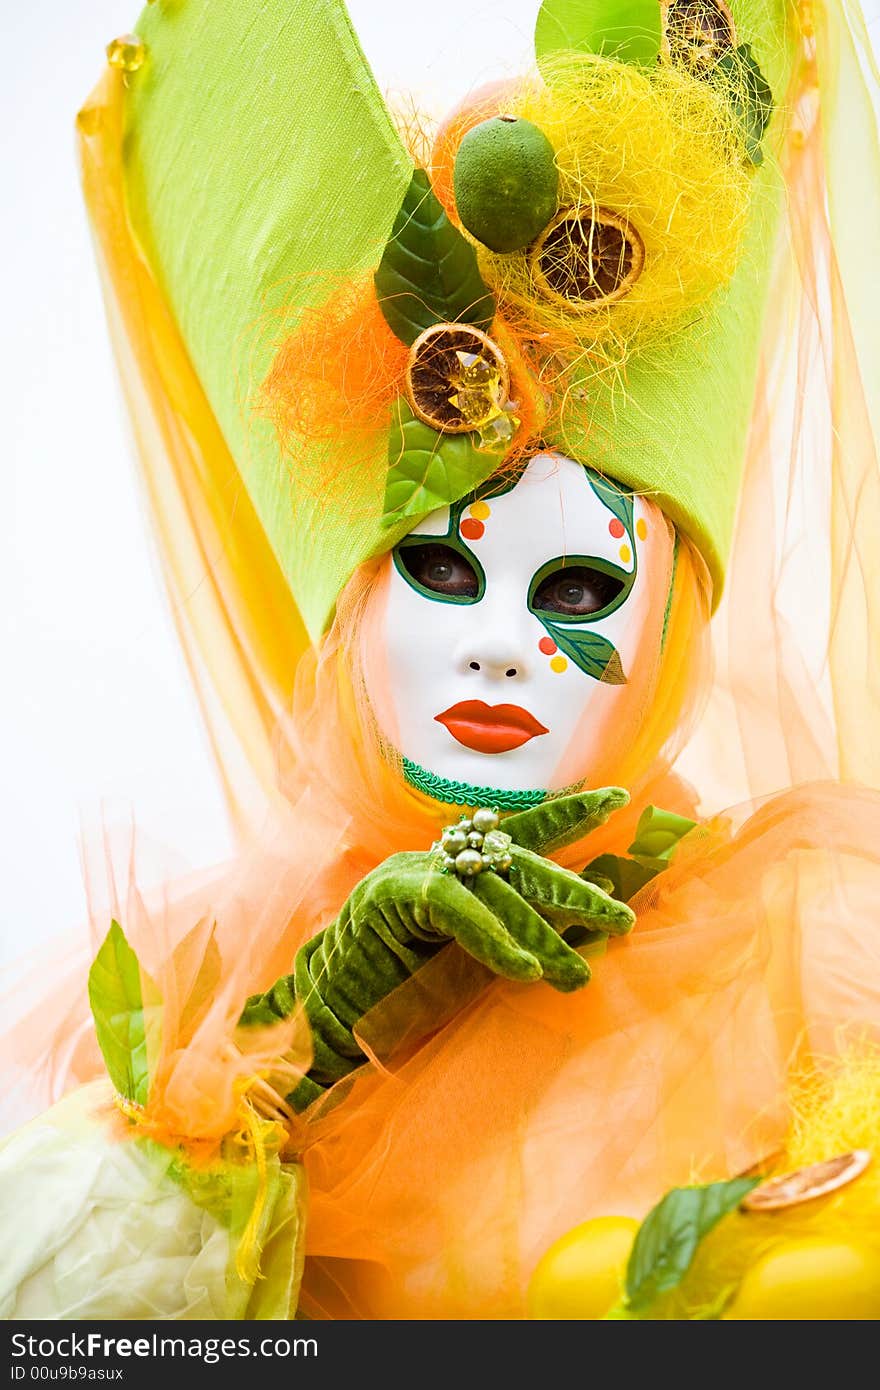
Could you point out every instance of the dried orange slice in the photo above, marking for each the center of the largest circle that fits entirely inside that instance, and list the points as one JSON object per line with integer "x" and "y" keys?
{"x": 806, "y": 1184}
{"x": 586, "y": 259}
{"x": 457, "y": 378}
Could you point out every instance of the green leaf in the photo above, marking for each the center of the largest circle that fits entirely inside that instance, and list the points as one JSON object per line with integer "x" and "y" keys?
{"x": 429, "y": 273}
{"x": 426, "y": 469}
{"x": 629, "y": 31}
{"x": 590, "y": 651}
{"x": 626, "y": 876}
{"x": 122, "y": 1021}
{"x": 668, "y": 1238}
{"x": 659, "y": 833}
{"x": 617, "y": 501}
{"x": 749, "y": 94}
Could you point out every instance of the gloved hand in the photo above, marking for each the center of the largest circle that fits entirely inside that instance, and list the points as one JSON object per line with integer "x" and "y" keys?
{"x": 408, "y": 909}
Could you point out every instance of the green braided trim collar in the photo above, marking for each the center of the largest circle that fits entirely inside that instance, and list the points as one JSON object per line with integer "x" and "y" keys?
{"x": 451, "y": 793}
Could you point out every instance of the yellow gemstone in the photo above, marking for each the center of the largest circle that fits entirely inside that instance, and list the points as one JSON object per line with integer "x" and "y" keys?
{"x": 474, "y": 404}
{"x": 642, "y": 529}
{"x": 126, "y": 53}
{"x": 481, "y": 511}
{"x": 558, "y": 663}
{"x": 625, "y": 554}
{"x": 497, "y": 432}
{"x": 476, "y": 371}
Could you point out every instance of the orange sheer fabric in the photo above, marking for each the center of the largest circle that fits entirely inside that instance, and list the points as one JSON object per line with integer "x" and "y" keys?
{"x": 438, "y": 1183}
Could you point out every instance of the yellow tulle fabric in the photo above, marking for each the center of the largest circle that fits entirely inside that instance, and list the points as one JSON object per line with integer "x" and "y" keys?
{"x": 237, "y": 622}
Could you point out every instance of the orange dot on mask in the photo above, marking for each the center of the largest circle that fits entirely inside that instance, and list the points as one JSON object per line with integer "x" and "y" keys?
{"x": 616, "y": 528}
{"x": 547, "y": 646}
{"x": 471, "y": 529}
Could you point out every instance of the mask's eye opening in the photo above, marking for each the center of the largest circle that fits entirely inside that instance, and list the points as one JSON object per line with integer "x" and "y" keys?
{"x": 439, "y": 569}
{"x": 577, "y": 591}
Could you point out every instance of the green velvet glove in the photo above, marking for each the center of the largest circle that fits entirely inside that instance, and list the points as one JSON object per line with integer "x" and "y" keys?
{"x": 407, "y": 910}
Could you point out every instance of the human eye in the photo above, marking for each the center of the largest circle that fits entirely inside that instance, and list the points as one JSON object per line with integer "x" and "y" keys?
{"x": 577, "y": 591}
{"x": 440, "y": 569}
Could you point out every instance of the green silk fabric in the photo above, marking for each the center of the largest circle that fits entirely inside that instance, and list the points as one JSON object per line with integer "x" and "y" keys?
{"x": 261, "y": 163}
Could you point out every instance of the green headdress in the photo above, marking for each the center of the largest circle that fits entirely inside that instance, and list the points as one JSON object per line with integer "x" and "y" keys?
{"x": 264, "y": 173}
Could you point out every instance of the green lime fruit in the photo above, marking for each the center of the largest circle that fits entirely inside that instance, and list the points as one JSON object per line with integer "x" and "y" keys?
{"x": 506, "y": 182}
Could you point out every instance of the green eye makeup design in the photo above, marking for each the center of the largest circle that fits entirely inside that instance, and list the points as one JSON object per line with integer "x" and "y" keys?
{"x": 441, "y": 568}
{"x": 440, "y": 571}
{"x": 566, "y": 595}
{"x": 572, "y": 591}
{"x": 576, "y": 590}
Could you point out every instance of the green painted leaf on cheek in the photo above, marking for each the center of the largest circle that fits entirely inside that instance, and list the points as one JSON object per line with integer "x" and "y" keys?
{"x": 626, "y": 30}
{"x": 426, "y": 469}
{"x": 124, "y": 1022}
{"x": 588, "y": 650}
{"x": 669, "y": 1236}
{"x": 429, "y": 273}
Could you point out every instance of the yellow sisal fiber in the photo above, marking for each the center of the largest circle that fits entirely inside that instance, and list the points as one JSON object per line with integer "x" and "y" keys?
{"x": 659, "y": 148}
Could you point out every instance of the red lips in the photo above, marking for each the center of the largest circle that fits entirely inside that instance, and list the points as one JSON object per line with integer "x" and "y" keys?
{"x": 490, "y": 728}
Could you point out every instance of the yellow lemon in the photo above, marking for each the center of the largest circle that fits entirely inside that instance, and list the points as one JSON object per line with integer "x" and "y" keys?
{"x": 582, "y": 1274}
{"x": 506, "y": 182}
{"x": 811, "y": 1279}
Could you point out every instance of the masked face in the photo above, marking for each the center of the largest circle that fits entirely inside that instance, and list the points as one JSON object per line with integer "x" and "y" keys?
{"x": 516, "y": 626}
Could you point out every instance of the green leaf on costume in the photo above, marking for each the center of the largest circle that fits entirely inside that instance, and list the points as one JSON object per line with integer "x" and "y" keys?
{"x": 629, "y": 31}
{"x": 123, "y": 1021}
{"x": 750, "y": 96}
{"x": 669, "y": 1237}
{"x": 624, "y": 877}
{"x": 427, "y": 469}
{"x": 588, "y": 650}
{"x": 658, "y": 833}
{"x": 429, "y": 273}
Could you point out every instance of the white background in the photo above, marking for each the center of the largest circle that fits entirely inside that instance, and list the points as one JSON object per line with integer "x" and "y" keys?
{"x": 95, "y": 702}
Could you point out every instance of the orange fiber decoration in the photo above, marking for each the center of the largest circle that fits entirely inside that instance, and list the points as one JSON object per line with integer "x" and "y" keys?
{"x": 339, "y": 371}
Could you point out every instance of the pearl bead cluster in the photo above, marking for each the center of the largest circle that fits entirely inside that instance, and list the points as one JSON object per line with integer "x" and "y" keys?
{"x": 474, "y": 845}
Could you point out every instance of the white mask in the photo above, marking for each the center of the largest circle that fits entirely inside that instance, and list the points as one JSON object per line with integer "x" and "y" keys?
{"x": 515, "y": 625}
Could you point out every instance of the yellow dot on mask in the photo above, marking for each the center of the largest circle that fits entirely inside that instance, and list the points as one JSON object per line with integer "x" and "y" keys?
{"x": 625, "y": 554}
{"x": 559, "y": 663}
{"x": 642, "y": 529}
{"x": 480, "y": 511}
